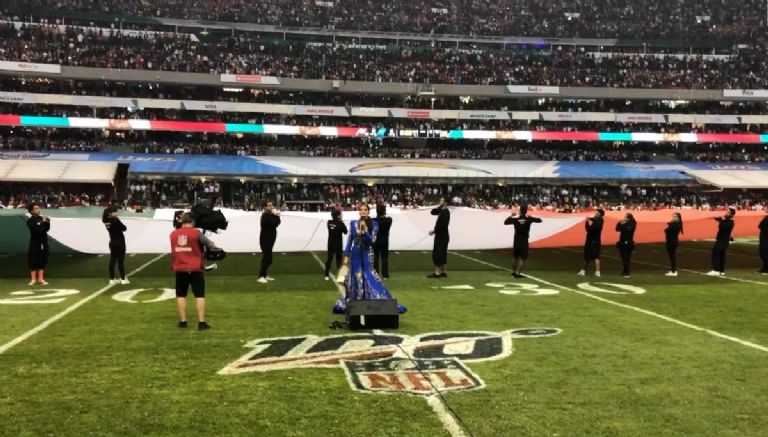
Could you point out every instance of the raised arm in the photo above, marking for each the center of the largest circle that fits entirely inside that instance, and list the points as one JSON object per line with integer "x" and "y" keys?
{"x": 206, "y": 242}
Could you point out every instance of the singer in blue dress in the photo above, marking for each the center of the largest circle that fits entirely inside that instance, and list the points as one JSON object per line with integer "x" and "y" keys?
{"x": 362, "y": 282}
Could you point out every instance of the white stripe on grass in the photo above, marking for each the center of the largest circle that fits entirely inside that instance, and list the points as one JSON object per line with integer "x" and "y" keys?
{"x": 629, "y": 307}
{"x": 746, "y": 281}
{"x": 4, "y": 348}
{"x": 435, "y": 402}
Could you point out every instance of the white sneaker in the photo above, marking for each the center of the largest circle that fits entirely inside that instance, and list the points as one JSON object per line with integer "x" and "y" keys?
{"x": 124, "y": 282}
{"x": 713, "y": 273}
{"x": 269, "y": 278}
{"x": 211, "y": 267}
{"x": 597, "y": 274}
{"x": 722, "y": 273}
{"x": 327, "y": 278}
{"x": 32, "y": 282}
{"x": 581, "y": 273}
{"x": 670, "y": 274}
{"x": 114, "y": 281}
{"x": 46, "y": 283}
{"x": 262, "y": 281}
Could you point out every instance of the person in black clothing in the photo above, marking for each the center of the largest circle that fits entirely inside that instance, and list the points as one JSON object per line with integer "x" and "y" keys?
{"x": 440, "y": 232}
{"x": 381, "y": 245}
{"x": 594, "y": 227}
{"x": 270, "y": 220}
{"x": 37, "y": 255}
{"x": 671, "y": 234}
{"x": 336, "y": 228}
{"x": 763, "y": 226}
{"x": 626, "y": 243}
{"x": 722, "y": 241}
{"x": 116, "y": 228}
{"x": 522, "y": 223}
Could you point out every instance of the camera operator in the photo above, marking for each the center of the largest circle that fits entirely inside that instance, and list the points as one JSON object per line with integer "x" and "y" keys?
{"x": 187, "y": 244}
{"x": 270, "y": 220}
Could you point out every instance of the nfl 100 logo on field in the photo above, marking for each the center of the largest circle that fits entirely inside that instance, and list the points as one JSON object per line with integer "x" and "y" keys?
{"x": 389, "y": 363}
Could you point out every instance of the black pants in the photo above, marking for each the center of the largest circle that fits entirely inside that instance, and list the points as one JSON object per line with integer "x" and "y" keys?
{"x": 116, "y": 256}
{"x": 440, "y": 250}
{"x": 333, "y": 252}
{"x": 764, "y": 256}
{"x": 266, "y": 256}
{"x": 381, "y": 251}
{"x": 672, "y": 253}
{"x": 718, "y": 256}
{"x": 37, "y": 256}
{"x": 625, "y": 251}
{"x": 186, "y": 279}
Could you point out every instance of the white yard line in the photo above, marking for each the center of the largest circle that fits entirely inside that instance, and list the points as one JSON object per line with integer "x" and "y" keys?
{"x": 731, "y": 278}
{"x": 449, "y": 422}
{"x": 4, "y": 348}
{"x": 629, "y": 307}
{"x": 434, "y": 401}
{"x": 341, "y": 291}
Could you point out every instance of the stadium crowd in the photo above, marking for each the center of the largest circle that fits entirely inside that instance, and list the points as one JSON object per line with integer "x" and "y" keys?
{"x": 261, "y": 95}
{"x": 546, "y": 18}
{"x": 244, "y": 54}
{"x": 148, "y": 194}
{"x": 50, "y": 141}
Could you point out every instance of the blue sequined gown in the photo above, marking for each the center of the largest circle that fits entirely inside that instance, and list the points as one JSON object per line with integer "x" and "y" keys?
{"x": 362, "y": 282}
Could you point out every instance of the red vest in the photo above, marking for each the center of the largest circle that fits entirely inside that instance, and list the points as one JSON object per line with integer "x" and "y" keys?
{"x": 186, "y": 254}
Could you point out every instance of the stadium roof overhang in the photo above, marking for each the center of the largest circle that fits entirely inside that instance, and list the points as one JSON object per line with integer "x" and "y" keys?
{"x": 732, "y": 179}
{"x": 29, "y": 170}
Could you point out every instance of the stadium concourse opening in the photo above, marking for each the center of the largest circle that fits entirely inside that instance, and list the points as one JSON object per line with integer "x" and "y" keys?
{"x": 559, "y": 209}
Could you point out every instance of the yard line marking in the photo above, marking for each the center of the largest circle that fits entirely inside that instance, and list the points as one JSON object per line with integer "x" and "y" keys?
{"x": 747, "y": 281}
{"x": 731, "y": 253}
{"x": 4, "y": 348}
{"x": 341, "y": 291}
{"x": 434, "y": 401}
{"x": 449, "y": 422}
{"x": 629, "y": 307}
{"x": 132, "y": 255}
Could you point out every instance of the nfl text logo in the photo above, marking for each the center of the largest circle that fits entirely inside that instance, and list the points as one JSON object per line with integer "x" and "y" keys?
{"x": 182, "y": 240}
{"x": 423, "y": 377}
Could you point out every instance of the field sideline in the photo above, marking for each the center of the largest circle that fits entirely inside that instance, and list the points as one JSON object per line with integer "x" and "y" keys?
{"x": 552, "y": 354}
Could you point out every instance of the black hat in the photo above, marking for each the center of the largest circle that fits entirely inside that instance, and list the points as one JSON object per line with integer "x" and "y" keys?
{"x": 335, "y": 214}
{"x": 523, "y": 209}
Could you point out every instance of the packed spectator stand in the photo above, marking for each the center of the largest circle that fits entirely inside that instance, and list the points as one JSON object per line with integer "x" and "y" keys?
{"x": 542, "y": 18}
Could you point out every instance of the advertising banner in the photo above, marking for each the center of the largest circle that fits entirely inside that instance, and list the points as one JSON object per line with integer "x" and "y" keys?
{"x": 249, "y": 79}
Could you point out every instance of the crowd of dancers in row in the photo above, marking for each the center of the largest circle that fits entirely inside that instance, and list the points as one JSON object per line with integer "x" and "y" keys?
{"x": 363, "y": 263}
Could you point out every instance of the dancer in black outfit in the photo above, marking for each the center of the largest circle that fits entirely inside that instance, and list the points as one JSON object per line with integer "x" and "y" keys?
{"x": 336, "y": 230}
{"x": 270, "y": 220}
{"x": 442, "y": 237}
{"x": 763, "y": 226}
{"x": 722, "y": 241}
{"x": 594, "y": 227}
{"x": 671, "y": 234}
{"x": 522, "y": 223}
{"x": 116, "y": 228}
{"x": 626, "y": 243}
{"x": 381, "y": 245}
{"x": 37, "y": 255}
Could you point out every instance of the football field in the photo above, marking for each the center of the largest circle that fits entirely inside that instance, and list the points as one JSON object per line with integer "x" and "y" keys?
{"x": 478, "y": 353}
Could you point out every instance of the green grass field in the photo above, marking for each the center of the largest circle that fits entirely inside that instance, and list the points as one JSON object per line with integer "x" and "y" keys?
{"x": 671, "y": 357}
